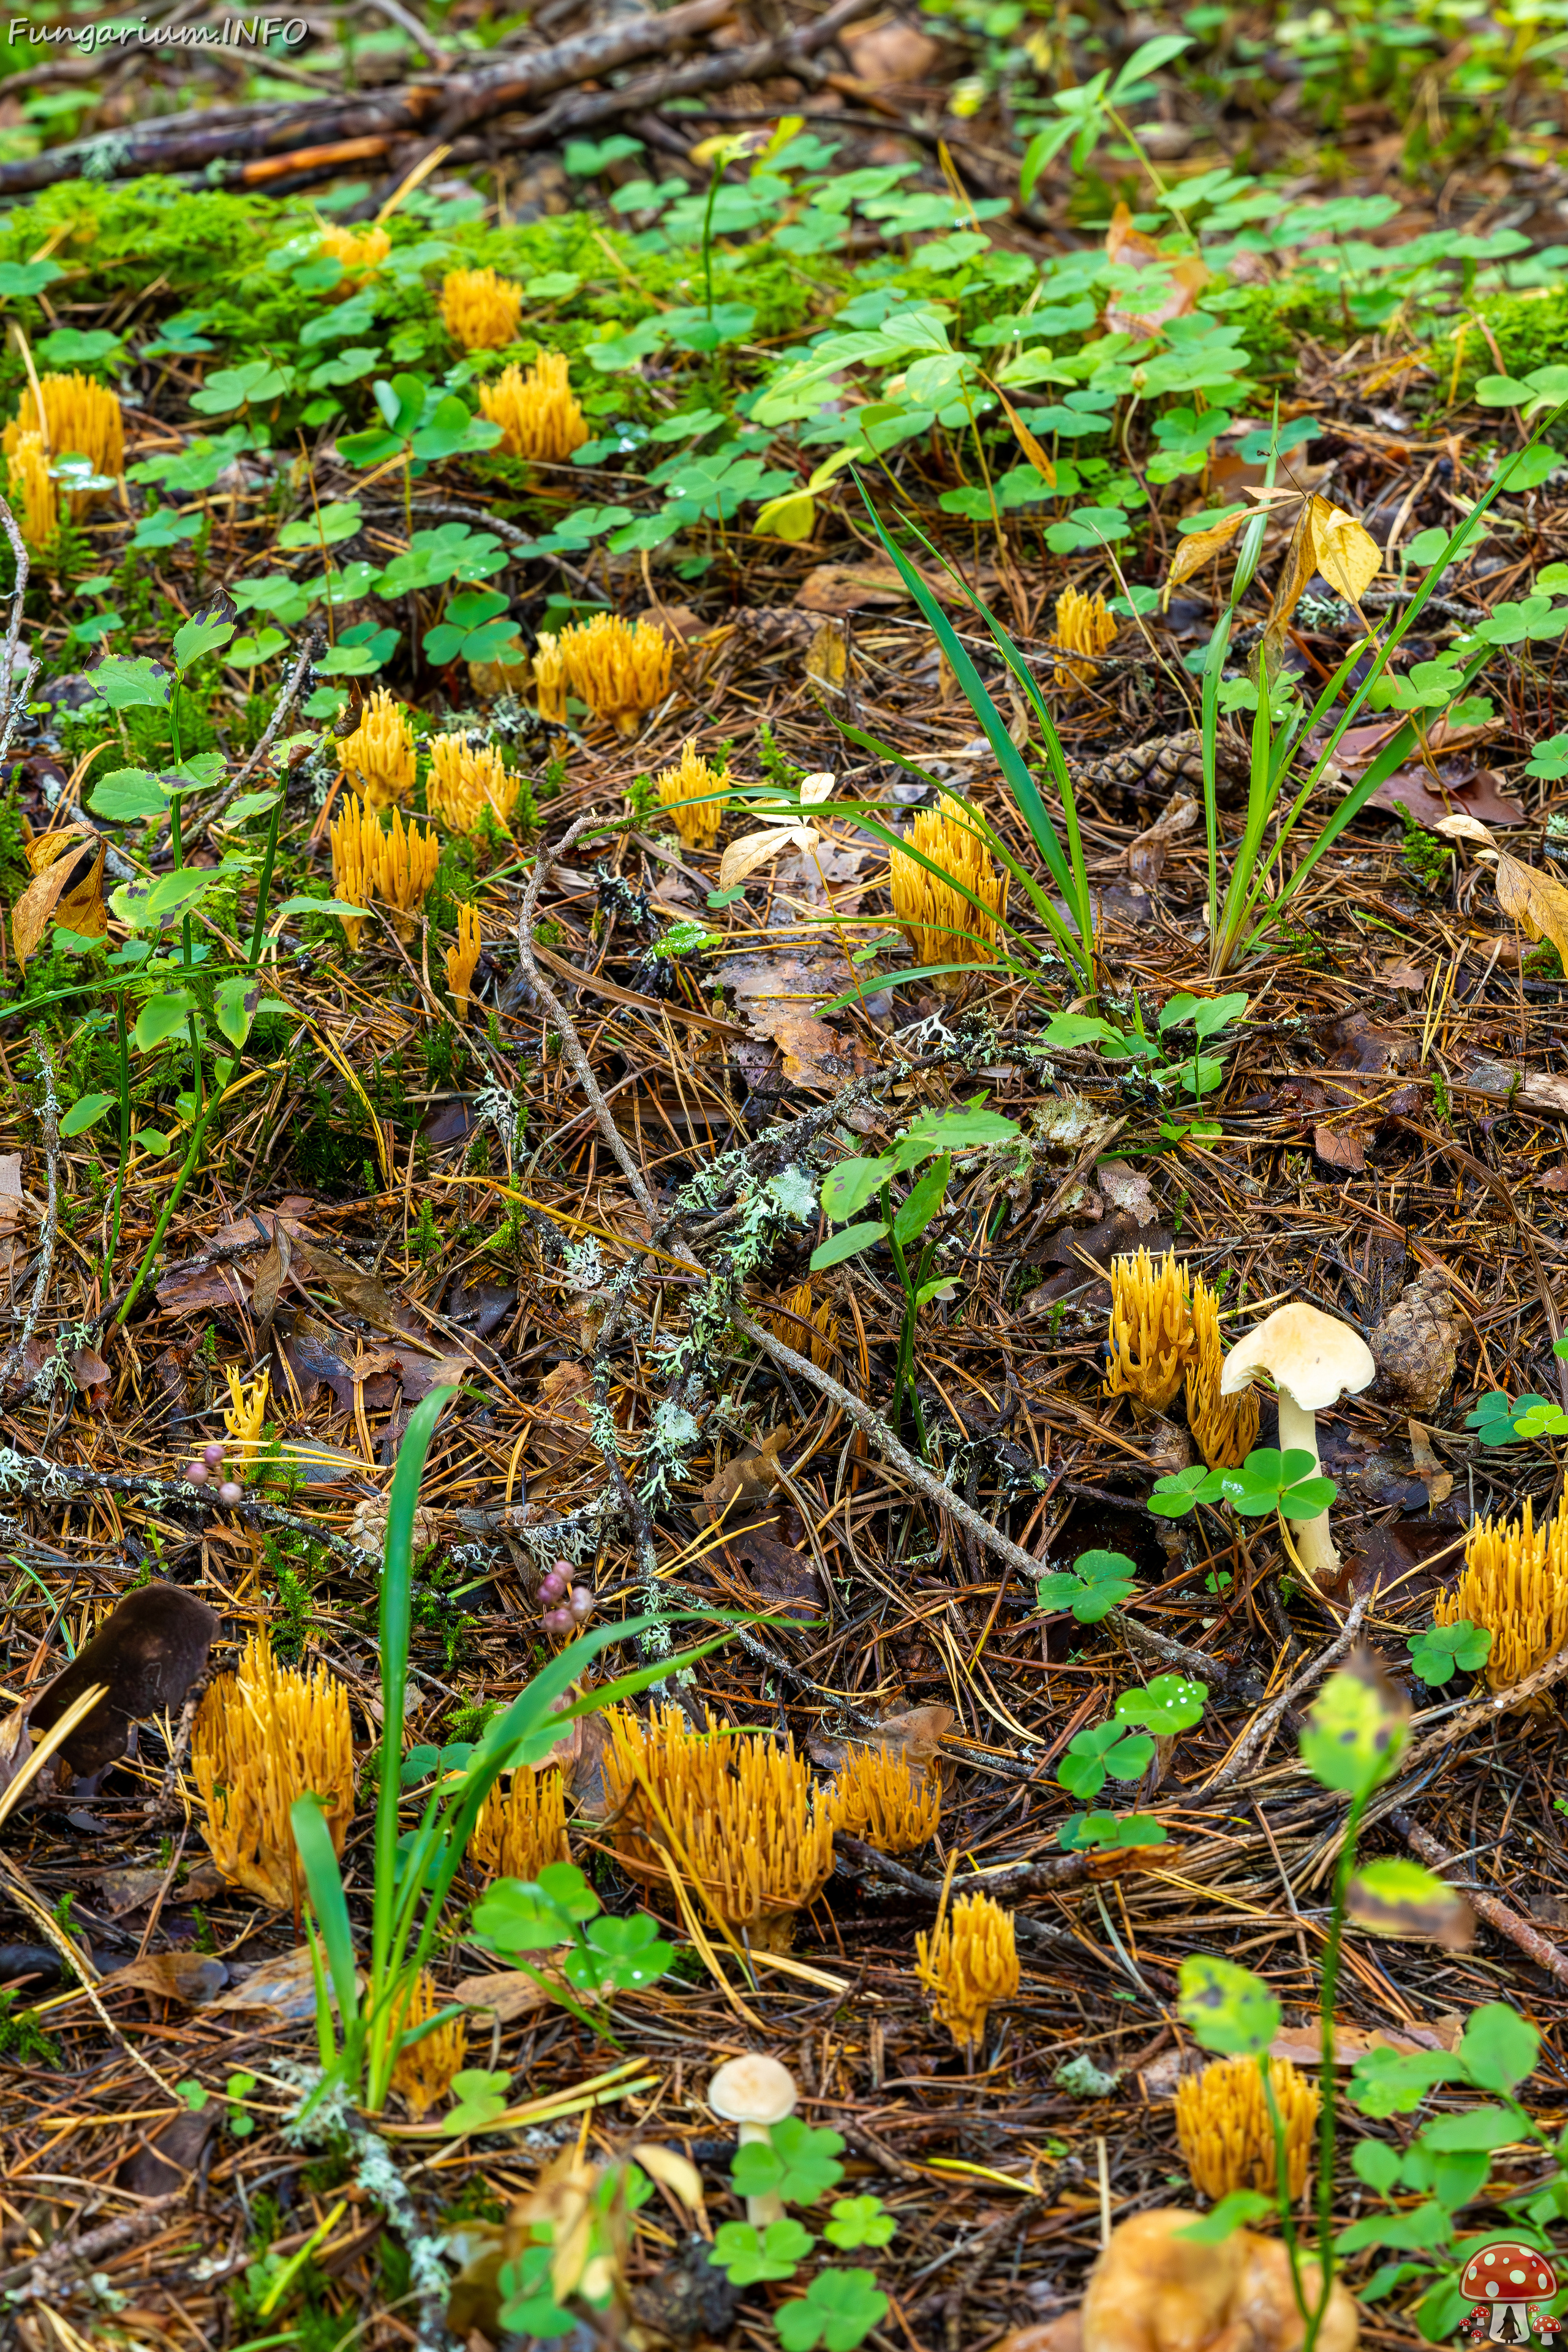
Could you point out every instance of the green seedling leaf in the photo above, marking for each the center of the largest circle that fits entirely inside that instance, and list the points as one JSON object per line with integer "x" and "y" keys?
{"x": 794, "y": 2162}
{"x": 619, "y": 1955}
{"x": 851, "y": 1184}
{"x": 839, "y": 2310}
{"x": 1096, "y": 1582}
{"x": 86, "y": 1113}
{"x": 1479, "y": 2127}
{"x": 1170, "y": 1703}
{"x": 958, "y": 1130}
{"x": 1394, "y": 2082}
{"x": 203, "y": 633}
{"x": 1394, "y": 1896}
{"x": 1175, "y": 1496}
{"x": 233, "y": 1007}
{"x": 161, "y": 1018}
{"x": 1427, "y": 2225}
{"x": 534, "y": 1915}
{"x": 130, "y": 682}
{"x": 923, "y": 1203}
{"x": 1356, "y": 1728}
{"x": 848, "y": 1243}
{"x": 859, "y": 2222}
{"x": 1441, "y": 1650}
{"x": 1233, "y": 2212}
{"x": 128, "y": 795}
{"x": 481, "y": 2099}
{"x": 1104, "y": 1751}
{"x": 747, "y": 2255}
{"x": 1499, "y": 2048}
{"x": 1375, "y": 2163}
{"x": 1226, "y": 2009}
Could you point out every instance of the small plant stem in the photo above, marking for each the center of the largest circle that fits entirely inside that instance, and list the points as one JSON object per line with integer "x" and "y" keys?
{"x": 708, "y": 232}
{"x": 1283, "y": 2186}
{"x": 171, "y": 1204}
{"x": 904, "y": 1372}
{"x": 1327, "y": 2087}
{"x": 264, "y": 888}
{"x": 123, "y": 1041}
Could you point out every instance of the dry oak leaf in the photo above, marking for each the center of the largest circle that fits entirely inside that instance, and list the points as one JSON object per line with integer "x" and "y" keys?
{"x": 1538, "y": 902}
{"x": 67, "y": 888}
{"x": 742, "y": 858}
{"x": 1346, "y": 554}
{"x": 916, "y": 1736}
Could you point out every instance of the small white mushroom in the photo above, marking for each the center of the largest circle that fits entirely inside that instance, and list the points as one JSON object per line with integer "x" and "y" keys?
{"x": 1315, "y": 1360}
{"x": 754, "y": 2092}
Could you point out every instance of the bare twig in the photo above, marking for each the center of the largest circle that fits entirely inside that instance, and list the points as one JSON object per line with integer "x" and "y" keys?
{"x": 49, "y": 1119}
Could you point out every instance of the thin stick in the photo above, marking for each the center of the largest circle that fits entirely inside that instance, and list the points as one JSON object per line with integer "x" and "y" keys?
{"x": 49, "y": 1118}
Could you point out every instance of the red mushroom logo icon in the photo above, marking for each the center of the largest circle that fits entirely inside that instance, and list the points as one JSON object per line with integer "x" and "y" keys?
{"x": 1510, "y": 2282}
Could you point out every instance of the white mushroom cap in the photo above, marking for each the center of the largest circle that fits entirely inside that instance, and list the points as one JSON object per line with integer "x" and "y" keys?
{"x": 752, "y": 2090}
{"x": 1313, "y": 1357}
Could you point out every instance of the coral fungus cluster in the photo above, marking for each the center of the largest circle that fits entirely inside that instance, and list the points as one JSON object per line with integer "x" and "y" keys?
{"x": 944, "y": 926}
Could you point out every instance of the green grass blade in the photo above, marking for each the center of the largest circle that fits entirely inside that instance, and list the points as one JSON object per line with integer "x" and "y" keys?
{"x": 1013, "y": 766}
{"x": 324, "y": 1881}
{"x": 397, "y": 1612}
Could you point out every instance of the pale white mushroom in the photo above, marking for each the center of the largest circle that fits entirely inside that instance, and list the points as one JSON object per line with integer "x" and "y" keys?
{"x": 754, "y": 2092}
{"x": 1315, "y": 1360}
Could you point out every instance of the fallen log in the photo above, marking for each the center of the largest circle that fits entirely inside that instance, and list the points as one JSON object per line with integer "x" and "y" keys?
{"x": 237, "y": 136}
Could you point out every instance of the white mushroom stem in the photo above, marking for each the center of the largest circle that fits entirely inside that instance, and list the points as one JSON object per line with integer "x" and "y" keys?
{"x": 761, "y": 2211}
{"x": 1314, "y": 1545}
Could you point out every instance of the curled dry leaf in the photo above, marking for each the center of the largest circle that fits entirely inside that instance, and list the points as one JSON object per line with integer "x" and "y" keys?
{"x": 67, "y": 888}
{"x": 1196, "y": 548}
{"x": 753, "y": 849}
{"x": 916, "y": 1736}
{"x": 1343, "y": 551}
{"x": 183, "y": 1976}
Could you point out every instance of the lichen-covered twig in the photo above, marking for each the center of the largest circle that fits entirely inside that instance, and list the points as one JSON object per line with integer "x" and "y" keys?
{"x": 49, "y": 1120}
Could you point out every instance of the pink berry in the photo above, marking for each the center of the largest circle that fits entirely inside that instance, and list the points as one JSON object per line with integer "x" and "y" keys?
{"x": 553, "y": 1585}
{"x": 582, "y": 1603}
{"x": 212, "y": 1454}
{"x": 197, "y": 1474}
{"x": 229, "y": 1494}
{"x": 559, "y": 1620}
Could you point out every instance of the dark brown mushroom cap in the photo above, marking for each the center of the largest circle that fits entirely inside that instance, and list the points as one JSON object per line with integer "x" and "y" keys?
{"x": 1506, "y": 2273}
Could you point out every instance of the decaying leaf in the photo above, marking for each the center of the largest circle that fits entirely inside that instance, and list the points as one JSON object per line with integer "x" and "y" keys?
{"x": 284, "y": 1986}
{"x": 916, "y": 1736}
{"x": 147, "y": 1654}
{"x": 67, "y": 889}
{"x": 1033, "y": 449}
{"x": 828, "y": 656}
{"x": 742, "y": 858}
{"x": 506, "y": 1994}
{"x": 185, "y": 1977}
{"x": 1196, "y": 548}
{"x": 1392, "y": 1896}
{"x": 1147, "y": 851}
{"x": 1184, "y": 278}
{"x": 1537, "y": 902}
{"x": 1343, "y": 551}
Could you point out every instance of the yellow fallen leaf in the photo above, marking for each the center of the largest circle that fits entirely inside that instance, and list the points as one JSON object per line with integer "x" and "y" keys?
{"x": 1343, "y": 551}
{"x": 1031, "y": 448}
{"x": 790, "y": 518}
{"x": 67, "y": 888}
{"x": 673, "y": 2170}
{"x": 1538, "y": 902}
{"x": 754, "y": 849}
{"x": 1196, "y": 548}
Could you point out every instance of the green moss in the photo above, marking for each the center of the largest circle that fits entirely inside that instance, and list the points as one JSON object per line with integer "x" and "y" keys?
{"x": 1529, "y": 330}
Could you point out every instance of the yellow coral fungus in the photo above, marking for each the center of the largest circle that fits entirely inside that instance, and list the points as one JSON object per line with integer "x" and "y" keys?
{"x": 379, "y": 756}
{"x": 262, "y": 1737}
{"x": 423, "y": 2072}
{"x": 942, "y": 925}
{"x": 879, "y": 1797}
{"x": 1224, "y": 1427}
{"x": 81, "y": 419}
{"x": 688, "y": 791}
{"x": 466, "y": 779}
{"x": 361, "y": 251}
{"x": 32, "y": 488}
{"x": 1515, "y": 1583}
{"x": 521, "y": 1829}
{"x": 395, "y": 868}
{"x": 1223, "y": 2128}
{"x": 536, "y": 409}
{"x": 619, "y": 668}
{"x": 550, "y": 678}
{"x": 244, "y": 1416}
{"x": 821, "y": 1341}
{"x": 462, "y": 959}
{"x": 735, "y": 1818}
{"x": 967, "y": 1964}
{"x": 1150, "y": 1339}
{"x": 481, "y": 310}
{"x": 1085, "y": 630}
